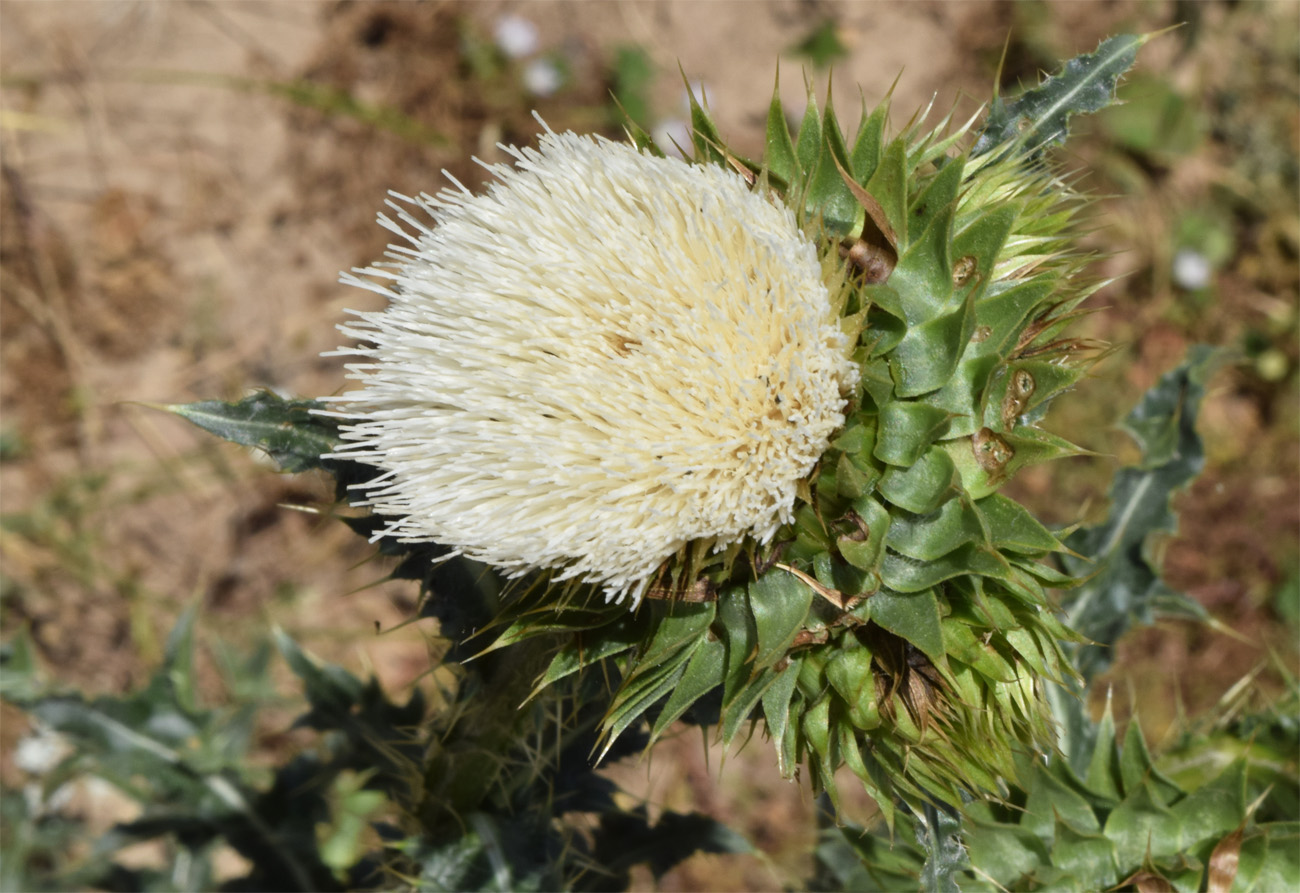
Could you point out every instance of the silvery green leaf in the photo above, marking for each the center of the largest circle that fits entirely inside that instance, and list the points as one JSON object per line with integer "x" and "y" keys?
{"x": 1122, "y": 584}
{"x": 1040, "y": 117}
{"x": 286, "y": 430}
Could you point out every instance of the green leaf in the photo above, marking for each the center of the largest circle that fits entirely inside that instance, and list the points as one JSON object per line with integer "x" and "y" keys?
{"x": 1269, "y": 858}
{"x": 703, "y": 674}
{"x": 807, "y": 145}
{"x": 866, "y": 554}
{"x": 331, "y": 689}
{"x": 642, "y": 690}
{"x": 705, "y": 139}
{"x": 1214, "y": 809}
{"x": 851, "y": 481}
{"x": 816, "y": 725}
{"x": 736, "y": 626}
{"x": 178, "y": 661}
{"x": 740, "y": 709}
{"x": 19, "y": 678}
{"x": 1086, "y": 858}
{"x": 1103, "y": 776}
{"x": 776, "y": 711}
{"x": 913, "y": 617}
{"x": 1004, "y": 852}
{"x": 888, "y": 186}
{"x": 591, "y": 647}
{"x": 909, "y": 575}
{"x": 682, "y": 624}
{"x": 1039, "y": 117}
{"x": 1123, "y": 586}
{"x": 779, "y": 601}
{"x": 923, "y": 276}
{"x": 962, "y": 644}
{"x": 1135, "y": 766}
{"x": 287, "y": 430}
{"x": 850, "y": 858}
{"x": 976, "y": 246}
{"x": 1051, "y": 800}
{"x": 939, "y": 834}
{"x": 1140, "y": 826}
{"x": 926, "y": 359}
{"x": 1004, "y": 312}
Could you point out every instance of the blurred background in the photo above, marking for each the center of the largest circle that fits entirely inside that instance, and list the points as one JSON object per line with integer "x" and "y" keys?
{"x": 182, "y": 183}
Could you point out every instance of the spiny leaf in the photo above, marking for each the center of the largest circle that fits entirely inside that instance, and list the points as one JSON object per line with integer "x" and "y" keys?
{"x": 1123, "y": 584}
{"x": 779, "y": 602}
{"x": 287, "y": 430}
{"x": 938, "y": 832}
{"x": 703, "y": 674}
{"x": 1040, "y": 117}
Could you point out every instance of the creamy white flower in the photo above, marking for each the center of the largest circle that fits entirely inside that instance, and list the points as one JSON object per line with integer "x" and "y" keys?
{"x": 602, "y": 358}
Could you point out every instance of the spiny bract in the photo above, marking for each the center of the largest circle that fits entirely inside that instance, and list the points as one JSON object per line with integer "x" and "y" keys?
{"x": 899, "y": 625}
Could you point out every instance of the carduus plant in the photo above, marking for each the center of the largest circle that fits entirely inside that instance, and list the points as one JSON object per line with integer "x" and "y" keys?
{"x": 740, "y": 426}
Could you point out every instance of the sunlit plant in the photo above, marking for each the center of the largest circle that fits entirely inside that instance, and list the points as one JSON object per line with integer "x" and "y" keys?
{"x": 722, "y": 440}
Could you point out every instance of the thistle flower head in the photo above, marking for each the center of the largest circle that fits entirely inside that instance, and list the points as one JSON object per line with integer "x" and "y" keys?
{"x": 604, "y": 357}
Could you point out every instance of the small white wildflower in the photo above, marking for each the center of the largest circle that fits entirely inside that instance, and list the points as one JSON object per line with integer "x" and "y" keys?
{"x": 542, "y": 77}
{"x": 516, "y": 36}
{"x": 1191, "y": 269}
{"x": 602, "y": 358}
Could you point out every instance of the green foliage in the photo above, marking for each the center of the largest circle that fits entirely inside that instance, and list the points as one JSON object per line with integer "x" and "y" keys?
{"x": 1154, "y": 120}
{"x": 1121, "y": 582}
{"x": 286, "y": 430}
{"x": 631, "y": 76}
{"x": 380, "y": 797}
{"x": 186, "y": 765}
{"x": 1102, "y": 814}
{"x": 1040, "y": 117}
{"x": 822, "y": 47}
{"x": 1123, "y": 822}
